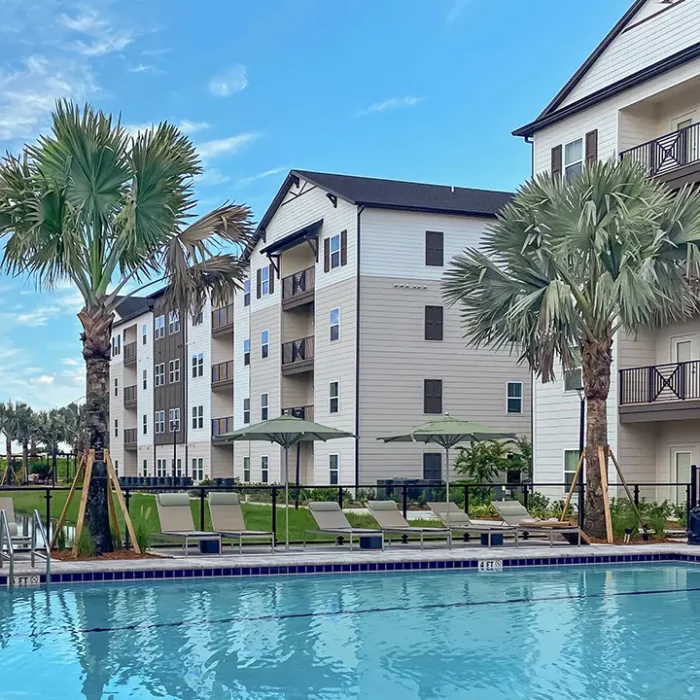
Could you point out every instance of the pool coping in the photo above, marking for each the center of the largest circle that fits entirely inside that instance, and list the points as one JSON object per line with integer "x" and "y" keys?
{"x": 342, "y": 562}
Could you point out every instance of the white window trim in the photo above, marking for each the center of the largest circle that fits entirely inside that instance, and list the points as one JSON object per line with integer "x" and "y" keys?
{"x": 337, "y": 469}
{"x": 246, "y": 469}
{"x": 265, "y": 406}
{"x": 267, "y": 469}
{"x": 265, "y": 280}
{"x": 264, "y": 344}
{"x": 563, "y": 466}
{"x": 522, "y": 398}
{"x": 331, "y": 324}
{"x": 173, "y": 322}
{"x": 331, "y": 252}
{"x": 174, "y": 371}
{"x": 246, "y": 422}
{"x": 159, "y": 327}
{"x": 246, "y": 293}
{"x": 330, "y": 397}
{"x": 582, "y": 139}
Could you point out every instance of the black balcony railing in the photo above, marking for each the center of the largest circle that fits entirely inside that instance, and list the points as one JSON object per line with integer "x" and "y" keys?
{"x": 130, "y": 436}
{"x": 223, "y": 372}
{"x": 299, "y": 283}
{"x": 305, "y": 412}
{"x": 297, "y": 351}
{"x": 222, "y": 318}
{"x": 660, "y": 383}
{"x": 129, "y": 353}
{"x": 668, "y": 152}
{"x": 130, "y": 395}
{"x": 221, "y": 426}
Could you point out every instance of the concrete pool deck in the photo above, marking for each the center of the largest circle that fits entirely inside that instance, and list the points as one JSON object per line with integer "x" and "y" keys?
{"x": 173, "y": 564}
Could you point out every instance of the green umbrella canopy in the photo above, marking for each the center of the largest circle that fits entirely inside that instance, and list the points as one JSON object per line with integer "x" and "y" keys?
{"x": 448, "y": 431}
{"x": 286, "y": 431}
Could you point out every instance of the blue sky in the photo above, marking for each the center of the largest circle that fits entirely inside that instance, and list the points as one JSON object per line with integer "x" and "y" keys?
{"x": 425, "y": 90}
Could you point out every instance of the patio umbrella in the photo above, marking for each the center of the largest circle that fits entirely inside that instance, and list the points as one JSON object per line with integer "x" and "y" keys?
{"x": 447, "y": 432}
{"x": 286, "y": 431}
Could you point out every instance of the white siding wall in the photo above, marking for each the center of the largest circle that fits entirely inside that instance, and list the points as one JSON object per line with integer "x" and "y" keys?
{"x": 116, "y": 403}
{"x": 144, "y": 361}
{"x": 642, "y": 46}
{"x": 199, "y": 389}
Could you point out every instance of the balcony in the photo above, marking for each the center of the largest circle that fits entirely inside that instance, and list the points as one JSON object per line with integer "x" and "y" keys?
{"x": 660, "y": 392}
{"x": 130, "y": 396}
{"x": 673, "y": 158}
{"x": 219, "y": 427}
{"x": 222, "y": 320}
{"x": 130, "y": 354}
{"x": 305, "y": 412}
{"x": 222, "y": 375}
{"x": 131, "y": 438}
{"x": 298, "y": 289}
{"x": 298, "y": 356}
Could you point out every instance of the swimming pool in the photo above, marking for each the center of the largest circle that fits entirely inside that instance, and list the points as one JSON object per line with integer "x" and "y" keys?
{"x": 619, "y": 632}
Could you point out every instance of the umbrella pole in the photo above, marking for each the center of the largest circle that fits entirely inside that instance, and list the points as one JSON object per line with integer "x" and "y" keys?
{"x": 447, "y": 482}
{"x": 286, "y": 497}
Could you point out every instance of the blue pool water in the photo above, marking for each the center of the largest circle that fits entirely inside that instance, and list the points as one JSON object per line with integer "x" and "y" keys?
{"x": 594, "y": 633}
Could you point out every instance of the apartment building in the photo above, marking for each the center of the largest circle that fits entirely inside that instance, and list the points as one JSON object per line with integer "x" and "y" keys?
{"x": 342, "y": 320}
{"x": 636, "y": 96}
{"x": 171, "y": 388}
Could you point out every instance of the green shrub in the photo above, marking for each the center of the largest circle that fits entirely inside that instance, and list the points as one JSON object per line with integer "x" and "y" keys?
{"x": 61, "y": 540}
{"x": 141, "y": 529}
{"x": 86, "y": 545}
{"x": 623, "y": 517}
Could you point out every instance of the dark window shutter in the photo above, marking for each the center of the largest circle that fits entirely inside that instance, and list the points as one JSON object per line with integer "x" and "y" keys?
{"x": 432, "y": 396}
{"x": 434, "y": 248}
{"x": 258, "y": 285}
{"x": 591, "y": 147}
{"x": 326, "y": 254}
{"x": 343, "y": 247}
{"x": 271, "y": 275}
{"x": 556, "y": 161}
{"x": 432, "y": 466}
{"x": 433, "y": 322}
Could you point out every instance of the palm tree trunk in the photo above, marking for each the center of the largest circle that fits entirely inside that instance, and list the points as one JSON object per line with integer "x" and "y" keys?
{"x": 8, "y": 450}
{"x": 25, "y": 461}
{"x": 96, "y": 337}
{"x": 596, "y": 360}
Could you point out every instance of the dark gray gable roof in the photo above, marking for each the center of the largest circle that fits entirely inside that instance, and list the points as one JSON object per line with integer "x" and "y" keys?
{"x": 529, "y": 129}
{"x": 131, "y": 307}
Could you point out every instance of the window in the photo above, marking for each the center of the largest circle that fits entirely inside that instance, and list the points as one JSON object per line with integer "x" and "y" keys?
{"x": 432, "y": 466}
{"x": 433, "y": 322}
{"x": 144, "y": 380}
{"x": 265, "y": 344}
{"x": 570, "y": 465}
{"x": 334, "y": 397}
{"x": 246, "y": 469}
{"x": 159, "y": 422}
{"x": 246, "y": 352}
{"x": 335, "y": 251}
{"x": 116, "y": 427}
{"x": 246, "y": 293}
{"x": 335, "y": 324}
{"x": 174, "y": 322}
{"x": 197, "y": 417}
{"x": 116, "y": 467}
{"x": 144, "y": 424}
{"x": 333, "y": 469}
{"x": 159, "y": 327}
{"x": 144, "y": 468}
{"x": 198, "y": 468}
{"x": 265, "y": 281}
{"x": 174, "y": 420}
{"x": 264, "y": 399}
{"x": 246, "y": 411}
{"x": 161, "y": 467}
{"x": 573, "y": 159}
{"x": 198, "y": 318}
{"x": 144, "y": 334}
{"x": 514, "y": 397}
{"x": 116, "y": 387}
{"x": 434, "y": 248}
{"x": 264, "y": 469}
{"x": 197, "y": 365}
{"x": 573, "y": 381}
{"x": 178, "y": 467}
{"x": 116, "y": 345}
{"x": 159, "y": 374}
{"x": 174, "y": 371}
{"x": 432, "y": 396}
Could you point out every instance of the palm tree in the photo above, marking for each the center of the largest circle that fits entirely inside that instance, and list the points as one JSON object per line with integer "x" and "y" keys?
{"x": 74, "y": 426}
{"x": 6, "y": 428}
{"x": 23, "y": 429}
{"x": 51, "y": 432}
{"x": 566, "y": 267}
{"x": 106, "y": 211}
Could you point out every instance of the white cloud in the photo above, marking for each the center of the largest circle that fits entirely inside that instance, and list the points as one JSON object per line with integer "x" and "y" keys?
{"x": 146, "y": 68}
{"x": 227, "y": 146}
{"x": 233, "y": 80}
{"x": 89, "y": 22}
{"x": 38, "y": 316}
{"x": 456, "y": 9}
{"x": 190, "y": 127}
{"x": 103, "y": 38}
{"x": 28, "y": 95}
{"x": 134, "y": 129}
{"x": 390, "y": 105}
{"x": 155, "y": 52}
{"x": 261, "y": 176}
{"x": 71, "y": 362}
{"x": 101, "y": 47}
{"x": 212, "y": 177}
{"x": 42, "y": 380}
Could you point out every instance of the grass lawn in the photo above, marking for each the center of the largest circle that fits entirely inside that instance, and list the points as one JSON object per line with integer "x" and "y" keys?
{"x": 143, "y": 508}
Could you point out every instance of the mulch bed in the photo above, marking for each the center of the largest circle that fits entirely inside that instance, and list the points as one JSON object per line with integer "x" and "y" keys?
{"x": 67, "y": 555}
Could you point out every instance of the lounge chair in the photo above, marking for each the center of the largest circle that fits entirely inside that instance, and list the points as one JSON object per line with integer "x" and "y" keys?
{"x": 331, "y": 520}
{"x": 176, "y": 520}
{"x": 8, "y": 506}
{"x": 516, "y": 515}
{"x": 459, "y": 521}
{"x": 391, "y": 520}
{"x": 227, "y": 519}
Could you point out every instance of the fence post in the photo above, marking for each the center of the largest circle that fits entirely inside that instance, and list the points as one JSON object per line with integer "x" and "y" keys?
{"x": 687, "y": 503}
{"x": 693, "y": 485}
{"x": 525, "y": 495}
{"x": 340, "y": 497}
{"x": 201, "y": 510}
{"x": 127, "y": 500}
{"x": 581, "y": 499}
{"x": 404, "y": 499}
{"x": 466, "y": 499}
{"x": 274, "y": 513}
{"x": 48, "y": 512}
{"x": 636, "y": 495}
